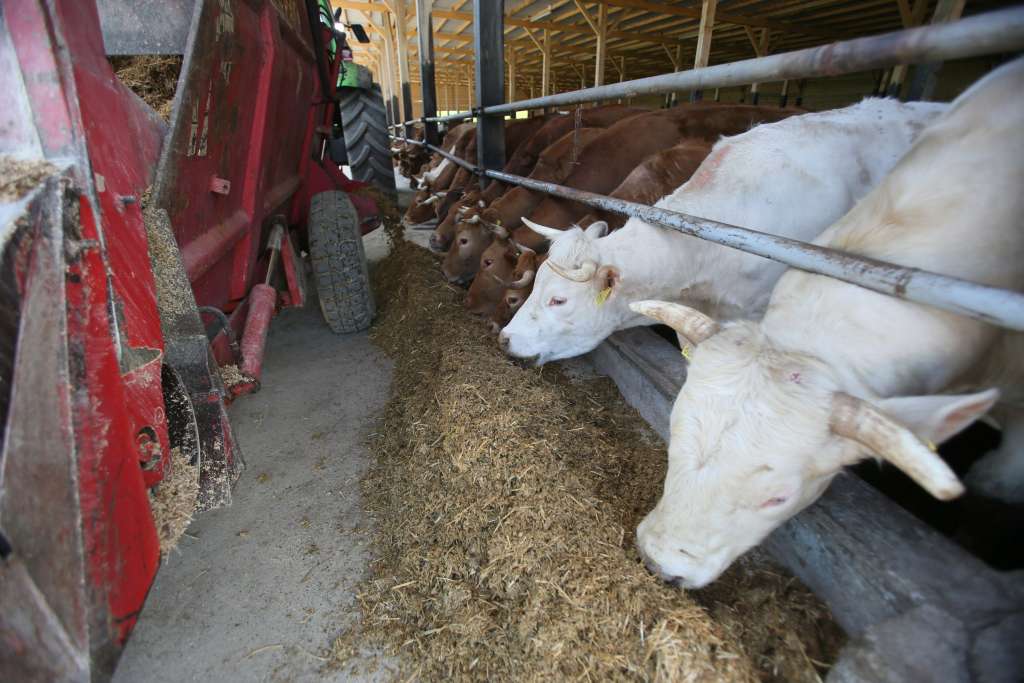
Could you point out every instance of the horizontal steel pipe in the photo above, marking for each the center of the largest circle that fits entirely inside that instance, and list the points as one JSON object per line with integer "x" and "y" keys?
{"x": 989, "y": 33}
{"x": 989, "y": 304}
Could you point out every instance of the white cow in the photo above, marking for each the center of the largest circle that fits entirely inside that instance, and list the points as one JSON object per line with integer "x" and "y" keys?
{"x": 794, "y": 178}
{"x": 834, "y": 374}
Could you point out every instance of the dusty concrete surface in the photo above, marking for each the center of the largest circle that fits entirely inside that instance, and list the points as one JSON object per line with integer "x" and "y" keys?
{"x": 258, "y": 591}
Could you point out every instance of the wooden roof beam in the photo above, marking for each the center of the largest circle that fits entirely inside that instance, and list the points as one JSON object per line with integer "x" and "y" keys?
{"x": 725, "y": 17}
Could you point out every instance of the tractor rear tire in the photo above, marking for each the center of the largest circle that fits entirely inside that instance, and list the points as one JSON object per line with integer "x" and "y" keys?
{"x": 339, "y": 263}
{"x": 366, "y": 137}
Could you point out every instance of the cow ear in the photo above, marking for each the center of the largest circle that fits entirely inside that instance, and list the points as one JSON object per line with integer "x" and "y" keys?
{"x": 938, "y": 418}
{"x": 596, "y": 230}
{"x": 607, "y": 278}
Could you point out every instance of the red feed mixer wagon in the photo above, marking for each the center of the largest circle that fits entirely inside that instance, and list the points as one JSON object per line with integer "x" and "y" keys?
{"x": 140, "y": 258}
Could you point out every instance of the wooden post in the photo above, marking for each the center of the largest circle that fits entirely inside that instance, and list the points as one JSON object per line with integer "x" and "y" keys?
{"x": 511, "y": 75}
{"x": 926, "y": 76}
{"x": 785, "y": 94}
{"x": 910, "y": 17}
{"x": 707, "y": 24}
{"x": 389, "y": 67}
{"x": 622, "y": 77}
{"x": 545, "y": 68}
{"x": 402, "y": 42}
{"x": 602, "y": 44}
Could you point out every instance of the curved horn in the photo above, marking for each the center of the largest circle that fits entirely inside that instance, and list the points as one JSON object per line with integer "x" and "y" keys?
{"x": 432, "y": 199}
{"x": 498, "y": 230}
{"x": 692, "y": 325}
{"x": 523, "y": 282}
{"x": 473, "y": 219}
{"x": 867, "y": 425}
{"x": 524, "y": 249}
{"x": 582, "y": 274}
{"x": 542, "y": 230}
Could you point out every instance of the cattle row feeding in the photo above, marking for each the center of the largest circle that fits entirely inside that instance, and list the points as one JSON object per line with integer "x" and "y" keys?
{"x": 792, "y": 375}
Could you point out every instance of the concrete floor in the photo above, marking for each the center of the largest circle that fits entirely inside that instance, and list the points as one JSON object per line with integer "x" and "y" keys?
{"x": 258, "y": 591}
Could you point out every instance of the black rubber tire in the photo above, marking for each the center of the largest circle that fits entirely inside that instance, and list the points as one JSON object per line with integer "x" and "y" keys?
{"x": 366, "y": 137}
{"x": 339, "y": 263}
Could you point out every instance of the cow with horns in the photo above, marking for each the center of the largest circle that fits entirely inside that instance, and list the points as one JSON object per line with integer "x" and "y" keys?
{"x": 835, "y": 374}
{"x": 792, "y": 178}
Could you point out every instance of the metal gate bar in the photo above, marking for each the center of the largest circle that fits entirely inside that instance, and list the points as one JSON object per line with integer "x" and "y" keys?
{"x": 989, "y": 33}
{"x": 988, "y": 304}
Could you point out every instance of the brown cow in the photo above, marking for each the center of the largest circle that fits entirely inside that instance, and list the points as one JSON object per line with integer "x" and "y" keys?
{"x": 611, "y": 157}
{"x": 526, "y": 155}
{"x": 497, "y": 264}
{"x": 659, "y": 175}
{"x": 525, "y": 158}
{"x": 519, "y": 288}
{"x": 517, "y": 132}
{"x": 471, "y": 238}
{"x": 438, "y": 177}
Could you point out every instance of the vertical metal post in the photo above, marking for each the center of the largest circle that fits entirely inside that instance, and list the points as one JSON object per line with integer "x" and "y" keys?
{"x": 800, "y": 92}
{"x": 489, "y": 47}
{"x": 425, "y": 36}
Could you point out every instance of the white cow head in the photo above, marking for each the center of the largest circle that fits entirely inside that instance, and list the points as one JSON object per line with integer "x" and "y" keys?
{"x": 757, "y": 433}
{"x": 575, "y": 302}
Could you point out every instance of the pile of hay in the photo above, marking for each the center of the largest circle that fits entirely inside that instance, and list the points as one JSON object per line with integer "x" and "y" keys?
{"x": 505, "y": 502}
{"x": 154, "y": 78}
{"x": 173, "y": 501}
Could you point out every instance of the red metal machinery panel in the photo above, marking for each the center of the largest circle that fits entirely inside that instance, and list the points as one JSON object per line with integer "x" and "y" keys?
{"x": 90, "y": 558}
{"x": 247, "y": 97}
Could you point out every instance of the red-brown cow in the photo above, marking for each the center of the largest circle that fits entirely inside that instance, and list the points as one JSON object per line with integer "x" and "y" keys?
{"x": 606, "y": 162}
{"x": 472, "y": 236}
{"x": 519, "y": 288}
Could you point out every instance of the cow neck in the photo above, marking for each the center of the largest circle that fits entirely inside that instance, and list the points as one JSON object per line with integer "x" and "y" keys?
{"x": 649, "y": 260}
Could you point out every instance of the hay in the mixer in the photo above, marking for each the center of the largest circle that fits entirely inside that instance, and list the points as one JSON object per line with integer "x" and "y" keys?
{"x": 505, "y": 502}
{"x": 154, "y": 78}
{"x": 19, "y": 176}
{"x": 173, "y": 501}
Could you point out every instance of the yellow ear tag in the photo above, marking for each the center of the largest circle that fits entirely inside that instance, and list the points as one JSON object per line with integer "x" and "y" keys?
{"x": 603, "y": 295}
{"x": 687, "y": 351}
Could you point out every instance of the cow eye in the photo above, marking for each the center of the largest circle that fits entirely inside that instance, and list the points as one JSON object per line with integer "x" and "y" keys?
{"x": 488, "y": 262}
{"x": 556, "y": 301}
{"x": 774, "y": 502}
{"x": 463, "y": 241}
{"x": 512, "y": 300}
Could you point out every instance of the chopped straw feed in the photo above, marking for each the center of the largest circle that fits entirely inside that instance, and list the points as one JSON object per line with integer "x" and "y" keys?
{"x": 173, "y": 501}
{"x": 154, "y": 78}
{"x": 505, "y": 502}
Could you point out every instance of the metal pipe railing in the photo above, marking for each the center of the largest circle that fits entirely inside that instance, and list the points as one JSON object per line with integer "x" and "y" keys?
{"x": 989, "y": 304}
{"x": 989, "y": 33}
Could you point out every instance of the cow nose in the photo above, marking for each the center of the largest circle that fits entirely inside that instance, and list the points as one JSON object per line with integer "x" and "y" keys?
{"x": 503, "y": 341}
